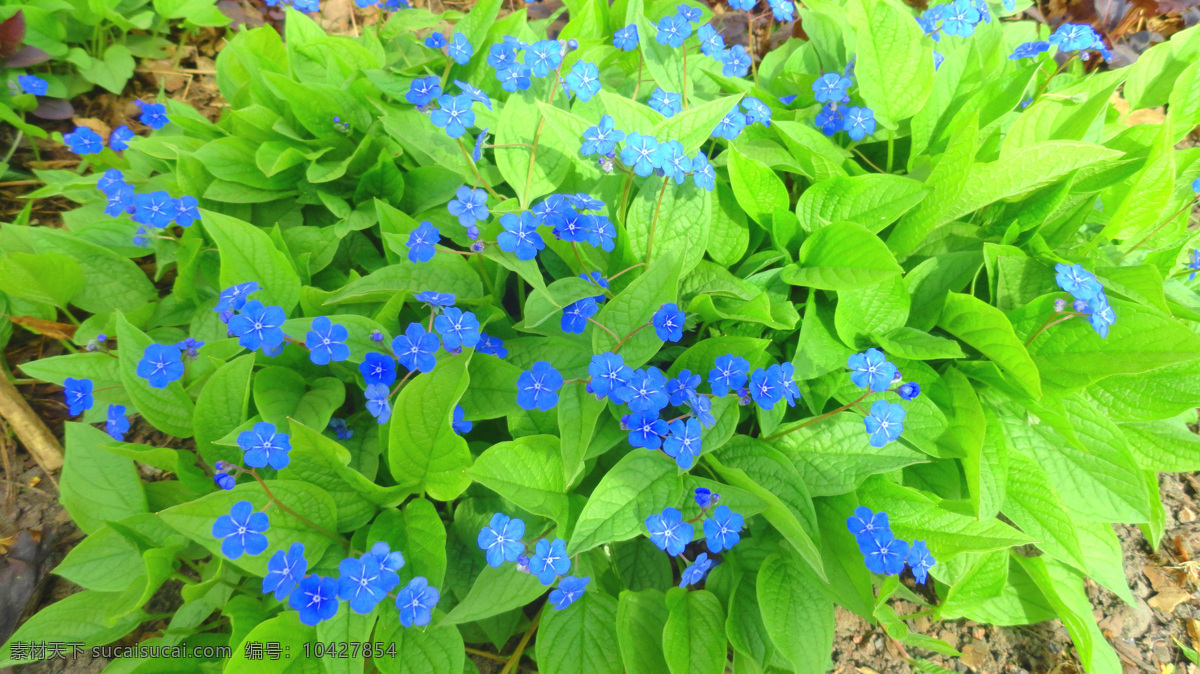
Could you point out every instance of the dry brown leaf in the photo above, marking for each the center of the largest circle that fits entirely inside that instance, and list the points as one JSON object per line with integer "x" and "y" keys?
{"x": 1180, "y": 551}
{"x": 47, "y": 328}
{"x": 1169, "y": 598}
{"x": 866, "y": 670}
{"x": 974, "y": 655}
{"x": 1193, "y": 630}
{"x": 94, "y": 124}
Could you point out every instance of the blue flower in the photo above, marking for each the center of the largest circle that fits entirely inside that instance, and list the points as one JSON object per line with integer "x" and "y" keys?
{"x": 682, "y": 387}
{"x": 731, "y": 372}
{"x": 416, "y": 602}
{"x": 743, "y": 5}
{"x": 474, "y": 93}
{"x": 378, "y": 404}
{"x": 537, "y": 387}
{"x": 435, "y": 299}
{"x": 697, "y": 571}
{"x": 187, "y": 211}
{"x": 667, "y": 103}
{"x": 626, "y": 39}
{"x": 645, "y": 391}
{"x": 858, "y": 122}
{"x": 675, "y": 164}
{"x": 641, "y": 153}
{"x": 520, "y": 235}
{"x": 673, "y": 30}
{"x": 609, "y": 373}
{"x": 190, "y": 348}
{"x": 705, "y": 497}
{"x": 938, "y": 58}
{"x": 83, "y": 141}
{"x": 730, "y": 126}
{"x": 388, "y": 560}
{"x": 786, "y": 374}
{"x": 460, "y": 49}
{"x": 1072, "y": 37}
{"x": 1076, "y": 280}
{"x": 692, "y": 14}
{"x": 316, "y": 599}
{"x": 224, "y": 480}
{"x": 469, "y": 206}
{"x": 258, "y": 326}
{"x": 669, "y": 532}
{"x": 829, "y": 119}
{"x": 435, "y": 41}
{"x": 583, "y": 80}
{"x": 909, "y": 390}
{"x": 765, "y": 388}
{"x": 421, "y": 242}
{"x": 454, "y": 114}
{"x": 920, "y": 561}
{"x": 872, "y": 370}
{"x": 668, "y": 322}
{"x": 831, "y": 87}
{"x": 139, "y": 237}
{"x": 575, "y": 315}
{"x": 477, "y": 152}
{"x": 549, "y": 560}
{"x": 156, "y": 209}
{"x": 568, "y": 591}
{"x": 378, "y": 368}
{"x": 265, "y": 446}
{"x": 645, "y": 429}
{"x": 515, "y": 77}
{"x": 756, "y": 111}
{"x": 711, "y": 42}
{"x": 960, "y": 18}
{"x": 584, "y": 202}
{"x": 1100, "y": 314}
{"x": 234, "y": 297}
{"x": 458, "y": 423}
{"x": 491, "y": 345}
{"x": 32, "y": 84}
{"x": 502, "y": 55}
{"x": 787, "y": 100}
{"x": 160, "y": 365}
{"x": 735, "y": 61}
{"x": 423, "y": 90}
{"x": 501, "y": 539}
{"x": 683, "y": 444}
{"x": 415, "y": 348}
{"x": 116, "y": 425}
{"x": 363, "y": 583}
{"x": 866, "y": 524}
{"x": 154, "y": 115}
{"x": 701, "y": 408}
{"x": 601, "y": 233}
{"x": 568, "y": 224}
{"x": 340, "y": 429}
{"x": 885, "y": 422}
{"x": 119, "y": 139}
{"x": 544, "y": 57}
{"x": 885, "y": 554}
{"x": 703, "y": 173}
{"x": 783, "y": 10}
{"x": 285, "y": 570}
{"x": 241, "y": 531}
{"x": 78, "y": 394}
{"x": 326, "y": 341}
{"x": 1027, "y": 50}
{"x": 1194, "y": 264}
{"x": 459, "y": 329}
{"x": 119, "y": 201}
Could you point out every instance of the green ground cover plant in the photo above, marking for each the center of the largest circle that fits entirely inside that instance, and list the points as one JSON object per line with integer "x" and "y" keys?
{"x": 621, "y": 350}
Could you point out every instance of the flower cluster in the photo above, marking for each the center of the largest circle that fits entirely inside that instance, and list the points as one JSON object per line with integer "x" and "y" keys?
{"x": 32, "y": 84}
{"x": 882, "y": 551}
{"x": 832, "y": 89}
{"x": 1090, "y": 298}
{"x": 501, "y": 540}
{"x": 152, "y": 211}
{"x": 872, "y": 371}
{"x": 1069, "y": 37}
{"x": 645, "y": 155}
{"x": 722, "y": 530}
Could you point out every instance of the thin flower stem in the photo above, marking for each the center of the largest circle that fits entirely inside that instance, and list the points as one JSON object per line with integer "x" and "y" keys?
{"x": 654, "y": 221}
{"x": 537, "y": 135}
{"x": 638, "y": 86}
{"x": 685, "y": 51}
{"x": 487, "y": 280}
{"x": 516, "y": 656}
{"x": 485, "y": 654}
{"x": 316, "y": 527}
{"x": 575, "y": 248}
{"x": 465, "y": 253}
{"x": 1052, "y": 321}
{"x": 508, "y": 145}
{"x": 446, "y": 73}
{"x": 626, "y": 337}
{"x": 625, "y": 198}
{"x": 405, "y": 378}
{"x": 891, "y": 150}
{"x": 814, "y": 420}
{"x": 1045, "y": 84}
{"x": 604, "y": 328}
{"x": 1159, "y": 228}
{"x": 750, "y": 37}
{"x": 869, "y": 162}
{"x": 614, "y": 276}
{"x": 475, "y": 170}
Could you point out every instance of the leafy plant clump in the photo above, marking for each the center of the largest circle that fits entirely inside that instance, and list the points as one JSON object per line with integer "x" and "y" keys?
{"x": 626, "y": 349}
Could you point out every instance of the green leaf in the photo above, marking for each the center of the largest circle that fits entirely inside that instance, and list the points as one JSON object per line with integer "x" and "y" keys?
{"x": 578, "y": 413}
{"x": 642, "y": 566}
{"x": 527, "y": 471}
{"x": 797, "y": 616}
{"x": 284, "y": 629}
{"x": 223, "y": 405}
{"x": 519, "y": 123}
{"x": 429, "y": 650}
{"x": 425, "y": 454}
{"x": 863, "y": 314}
{"x": 913, "y": 344}
{"x": 281, "y": 393}
{"x": 97, "y": 486}
{"x": 350, "y": 628}
{"x": 641, "y": 484}
{"x": 248, "y": 254}
{"x": 84, "y": 617}
{"x": 1165, "y": 446}
{"x": 105, "y": 561}
{"x": 692, "y": 638}
{"x": 669, "y": 221}
{"x": 102, "y": 369}
{"x": 1063, "y": 587}
{"x": 664, "y": 63}
{"x": 985, "y": 328}
{"x": 581, "y": 637}
{"x": 1105, "y": 559}
{"x": 52, "y": 278}
{"x": 1033, "y": 504}
{"x": 744, "y": 624}
{"x": 633, "y": 308}
{"x": 1147, "y": 193}
{"x": 874, "y": 201}
{"x": 695, "y": 125}
{"x": 180, "y": 462}
{"x": 641, "y": 617}
{"x": 326, "y": 463}
{"x": 819, "y": 157}
{"x": 194, "y": 519}
{"x": 895, "y": 67}
{"x": 728, "y": 234}
{"x": 495, "y": 591}
{"x": 492, "y": 393}
{"x": 842, "y": 256}
{"x": 1183, "y": 111}
{"x": 757, "y": 188}
{"x": 169, "y": 409}
{"x": 418, "y": 532}
{"x": 1151, "y": 79}
{"x": 1158, "y": 394}
{"x": 443, "y": 274}
{"x": 113, "y": 71}
{"x": 834, "y": 456}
